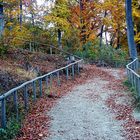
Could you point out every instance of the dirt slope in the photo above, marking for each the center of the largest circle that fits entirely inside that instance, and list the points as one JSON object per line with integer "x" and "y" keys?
{"x": 18, "y": 66}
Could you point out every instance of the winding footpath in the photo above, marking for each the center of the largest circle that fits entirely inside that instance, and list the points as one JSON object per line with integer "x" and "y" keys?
{"x": 97, "y": 106}
{"x": 85, "y": 113}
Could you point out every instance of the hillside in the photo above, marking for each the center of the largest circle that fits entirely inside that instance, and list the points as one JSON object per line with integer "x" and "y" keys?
{"x": 18, "y": 66}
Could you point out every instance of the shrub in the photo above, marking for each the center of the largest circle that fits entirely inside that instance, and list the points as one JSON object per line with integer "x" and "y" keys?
{"x": 3, "y": 134}
{"x": 11, "y": 130}
{"x": 3, "y": 48}
{"x": 108, "y": 54}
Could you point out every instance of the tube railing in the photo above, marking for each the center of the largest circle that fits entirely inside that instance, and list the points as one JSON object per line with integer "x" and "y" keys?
{"x": 133, "y": 75}
{"x": 73, "y": 67}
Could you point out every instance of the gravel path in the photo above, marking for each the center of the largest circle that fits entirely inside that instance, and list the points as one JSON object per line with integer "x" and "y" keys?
{"x": 83, "y": 114}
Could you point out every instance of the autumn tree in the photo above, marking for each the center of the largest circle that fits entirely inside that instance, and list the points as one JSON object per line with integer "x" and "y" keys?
{"x": 58, "y": 18}
{"x": 136, "y": 17}
{"x": 86, "y": 18}
{"x": 130, "y": 29}
{"x": 1, "y": 18}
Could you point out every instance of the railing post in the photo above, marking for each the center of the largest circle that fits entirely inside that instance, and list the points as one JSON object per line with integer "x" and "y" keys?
{"x": 3, "y": 113}
{"x": 30, "y": 46}
{"x": 135, "y": 82}
{"x": 73, "y": 71}
{"x": 16, "y": 104}
{"x": 67, "y": 73}
{"x": 40, "y": 87}
{"x": 46, "y": 81}
{"x": 138, "y": 86}
{"x": 58, "y": 78}
{"x": 82, "y": 63}
{"x": 50, "y": 80}
{"x": 132, "y": 66}
{"x": 50, "y": 50}
{"x": 137, "y": 65}
{"x": 34, "y": 90}
{"x": 129, "y": 76}
{"x": 127, "y": 73}
{"x": 78, "y": 68}
{"x": 26, "y": 98}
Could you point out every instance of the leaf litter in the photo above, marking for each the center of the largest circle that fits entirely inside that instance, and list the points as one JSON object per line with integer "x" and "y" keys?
{"x": 37, "y": 124}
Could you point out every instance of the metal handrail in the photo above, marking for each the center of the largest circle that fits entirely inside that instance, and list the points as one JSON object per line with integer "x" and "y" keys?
{"x": 5, "y": 95}
{"x": 14, "y": 92}
{"x": 133, "y": 76}
{"x": 129, "y": 68}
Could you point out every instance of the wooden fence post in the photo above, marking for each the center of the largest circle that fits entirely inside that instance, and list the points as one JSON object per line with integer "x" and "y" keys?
{"x": 78, "y": 68}
{"x": 58, "y": 78}
{"x": 51, "y": 50}
{"x": 40, "y": 87}
{"x": 50, "y": 80}
{"x": 34, "y": 90}
{"x": 26, "y": 98}
{"x": 47, "y": 81}
{"x": 67, "y": 73}
{"x": 139, "y": 86}
{"x": 30, "y": 46}
{"x": 16, "y": 104}
{"x": 135, "y": 82}
{"x": 127, "y": 74}
{"x": 3, "y": 113}
{"x": 137, "y": 65}
{"x": 73, "y": 71}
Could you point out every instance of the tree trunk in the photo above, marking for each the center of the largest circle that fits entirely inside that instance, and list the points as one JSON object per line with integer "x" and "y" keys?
{"x": 138, "y": 30}
{"x": 33, "y": 25}
{"x": 112, "y": 39}
{"x": 83, "y": 36}
{"x": 59, "y": 39}
{"x": 130, "y": 30}
{"x": 1, "y": 19}
{"x": 33, "y": 21}
{"x": 101, "y": 33}
{"x": 20, "y": 19}
{"x": 101, "y": 36}
{"x": 106, "y": 38}
{"x": 118, "y": 37}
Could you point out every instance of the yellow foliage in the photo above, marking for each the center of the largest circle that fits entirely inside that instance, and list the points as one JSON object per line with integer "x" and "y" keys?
{"x": 15, "y": 33}
{"x": 136, "y": 13}
{"x": 91, "y": 37}
{"x": 58, "y": 22}
{"x": 137, "y": 37}
{"x": 86, "y": 20}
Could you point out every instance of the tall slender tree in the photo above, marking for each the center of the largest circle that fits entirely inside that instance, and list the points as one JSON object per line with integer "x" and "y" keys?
{"x": 20, "y": 19}
{"x": 1, "y": 18}
{"x": 101, "y": 33}
{"x": 130, "y": 30}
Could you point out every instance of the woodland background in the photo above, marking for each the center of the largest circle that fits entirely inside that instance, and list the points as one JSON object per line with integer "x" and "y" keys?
{"x": 81, "y": 27}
